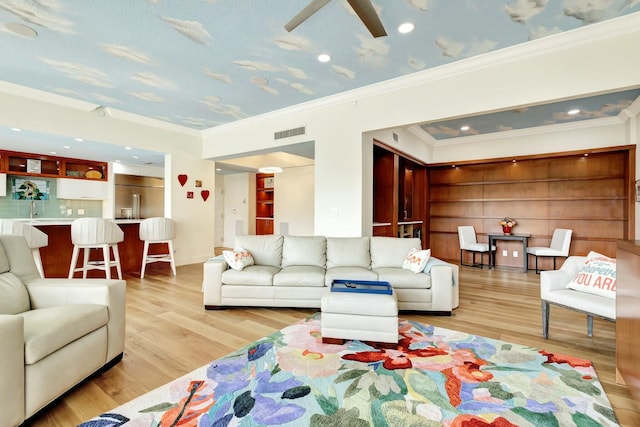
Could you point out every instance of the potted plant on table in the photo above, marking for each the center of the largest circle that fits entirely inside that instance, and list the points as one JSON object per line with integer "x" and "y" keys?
{"x": 507, "y": 224}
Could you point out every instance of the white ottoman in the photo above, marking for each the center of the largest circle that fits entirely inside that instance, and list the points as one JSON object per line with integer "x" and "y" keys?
{"x": 359, "y": 316}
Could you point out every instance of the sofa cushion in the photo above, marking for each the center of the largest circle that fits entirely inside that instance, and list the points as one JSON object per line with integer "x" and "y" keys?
{"x": 348, "y": 252}
{"x": 416, "y": 260}
{"x": 401, "y": 278}
{"x": 348, "y": 273}
{"x": 47, "y": 330}
{"x": 255, "y": 275}
{"x": 14, "y": 297}
{"x": 238, "y": 259}
{"x": 265, "y": 249}
{"x": 304, "y": 250}
{"x": 300, "y": 275}
{"x": 391, "y": 251}
{"x": 596, "y": 276}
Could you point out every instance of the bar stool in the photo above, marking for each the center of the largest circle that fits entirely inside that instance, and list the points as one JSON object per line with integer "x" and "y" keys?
{"x": 157, "y": 230}
{"x": 88, "y": 233}
{"x": 36, "y": 239}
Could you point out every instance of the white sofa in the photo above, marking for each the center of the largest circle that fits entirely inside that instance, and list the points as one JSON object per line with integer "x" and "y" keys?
{"x": 553, "y": 290}
{"x": 296, "y": 271}
{"x": 54, "y": 333}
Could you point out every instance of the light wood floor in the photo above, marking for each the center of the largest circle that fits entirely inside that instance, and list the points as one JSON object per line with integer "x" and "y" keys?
{"x": 170, "y": 334}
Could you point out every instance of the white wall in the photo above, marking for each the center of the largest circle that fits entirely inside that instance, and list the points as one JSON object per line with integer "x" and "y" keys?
{"x": 293, "y": 200}
{"x": 237, "y": 205}
{"x": 593, "y": 59}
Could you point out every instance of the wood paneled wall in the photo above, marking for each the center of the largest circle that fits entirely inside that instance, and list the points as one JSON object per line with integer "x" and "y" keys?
{"x": 591, "y": 194}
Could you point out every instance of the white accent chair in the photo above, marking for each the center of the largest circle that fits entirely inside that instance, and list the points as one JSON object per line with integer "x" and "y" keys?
{"x": 54, "y": 333}
{"x": 468, "y": 242}
{"x": 553, "y": 290}
{"x": 36, "y": 239}
{"x": 99, "y": 233}
{"x": 157, "y": 230}
{"x": 560, "y": 243}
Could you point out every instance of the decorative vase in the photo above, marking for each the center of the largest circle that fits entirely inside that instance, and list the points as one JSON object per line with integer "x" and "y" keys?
{"x": 506, "y": 230}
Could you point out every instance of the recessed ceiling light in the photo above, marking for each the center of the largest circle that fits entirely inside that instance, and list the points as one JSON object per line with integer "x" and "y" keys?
{"x": 323, "y": 57}
{"x": 406, "y": 27}
{"x": 218, "y": 169}
{"x": 270, "y": 169}
{"x": 16, "y": 129}
{"x": 67, "y": 147}
{"x": 573, "y": 112}
{"x": 135, "y": 157}
{"x": 127, "y": 148}
{"x": 53, "y": 152}
{"x": 464, "y": 128}
{"x": 79, "y": 139}
{"x": 117, "y": 161}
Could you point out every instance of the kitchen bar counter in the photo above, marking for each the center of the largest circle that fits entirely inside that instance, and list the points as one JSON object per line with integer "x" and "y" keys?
{"x": 56, "y": 257}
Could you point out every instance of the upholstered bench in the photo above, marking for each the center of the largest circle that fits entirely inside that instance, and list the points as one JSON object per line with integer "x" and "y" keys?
{"x": 359, "y": 316}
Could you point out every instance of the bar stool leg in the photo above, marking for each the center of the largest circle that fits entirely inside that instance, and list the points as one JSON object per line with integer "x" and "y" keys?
{"x": 173, "y": 261}
{"x": 145, "y": 252}
{"x": 116, "y": 257}
{"x": 107, "y": 260}
{"x": 74, "y": 261}
{"x": 85, "y": 264}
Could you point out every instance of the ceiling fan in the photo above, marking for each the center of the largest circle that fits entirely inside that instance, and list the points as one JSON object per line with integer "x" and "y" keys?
{"x": 363, "y": 8}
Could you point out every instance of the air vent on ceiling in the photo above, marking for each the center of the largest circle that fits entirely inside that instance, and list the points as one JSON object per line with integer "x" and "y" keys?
{"x": 289, "y": 133}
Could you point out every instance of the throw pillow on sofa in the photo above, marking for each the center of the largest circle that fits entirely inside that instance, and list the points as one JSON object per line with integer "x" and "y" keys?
{"x": 238, "y": 259}
{"x": 596, "y": 276}
{"x": 416, "y": 260}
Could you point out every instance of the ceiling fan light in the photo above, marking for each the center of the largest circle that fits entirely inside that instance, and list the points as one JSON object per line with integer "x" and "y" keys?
{"x": 323, "y": 57}
{"x": 270, "y": 169}
{"x": 406, "y": 27}
{"x": 573, "y": 112}
{"x": 464, "y": 128}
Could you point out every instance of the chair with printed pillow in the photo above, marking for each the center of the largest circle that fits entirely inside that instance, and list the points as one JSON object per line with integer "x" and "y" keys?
{"x": 583, "y": 283}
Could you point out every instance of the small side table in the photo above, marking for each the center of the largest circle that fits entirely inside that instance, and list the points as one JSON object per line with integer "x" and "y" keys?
{"x": 524, "y": 238}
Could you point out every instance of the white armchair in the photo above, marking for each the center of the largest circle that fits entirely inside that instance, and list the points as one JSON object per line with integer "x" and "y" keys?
{"x": 553, "y": 290}
{"x": 54, "y": 333}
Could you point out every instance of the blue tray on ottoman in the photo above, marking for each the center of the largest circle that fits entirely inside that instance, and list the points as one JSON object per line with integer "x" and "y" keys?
{"x": 362, "y": 286}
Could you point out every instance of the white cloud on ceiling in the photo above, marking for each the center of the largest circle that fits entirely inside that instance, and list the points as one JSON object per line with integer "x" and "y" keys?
{"x": 345, "y": 72}
{"x": 587, "y": 11}
{"x": 39, "y": 12}
{"x": 302, "y": 88}
{"x": 523, "y": 10}
{"x": 214, "y": 104}
{"x": 371, "y": 50}
{"x": 416, "y": 63}
{"x": 443, "y": 130}
{"x": 293, "y": 42}
{"x": 190, "y": 29}
{"x": 199, "y": 122}
{"x": 449, "y": 48}
{"x": 147, "y": 96}
{"x": 152, "y": 80}
{"x": 257, "y": 66}
{"x": 296, "y": 72}
{"x": 80, "y": 72}
{"x": 478, "y": 47}
{"x": 539, "y": 32}
{"x": 103, "y": 98}
{"x": 126, "y": 52}
{"x": 224, "y": 78}
{"x": 503, "y": 128}
{"x": 419, "y": 4}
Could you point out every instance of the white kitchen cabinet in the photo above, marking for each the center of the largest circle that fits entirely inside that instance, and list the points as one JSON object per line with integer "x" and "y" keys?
{"x": 85, "y": 189}
{"x": 3, "y": 184}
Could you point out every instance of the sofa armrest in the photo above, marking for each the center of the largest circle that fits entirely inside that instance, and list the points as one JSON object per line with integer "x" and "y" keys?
{"x": 444, "y": 287}
{"x": 111, "y": 293}
{"x": 12, "y": 404}
{"x": 212, "y": 282}
{"x": 553, "y": 280}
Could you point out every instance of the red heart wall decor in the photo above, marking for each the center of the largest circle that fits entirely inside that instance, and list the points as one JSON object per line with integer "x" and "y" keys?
{"x": 204, "y": 194}
{"x": 182, "y": 179}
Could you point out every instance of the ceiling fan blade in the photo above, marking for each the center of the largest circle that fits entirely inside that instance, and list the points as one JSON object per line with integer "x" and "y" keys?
{"x": 311, "y": 8}
{"x": 369, "y": 17}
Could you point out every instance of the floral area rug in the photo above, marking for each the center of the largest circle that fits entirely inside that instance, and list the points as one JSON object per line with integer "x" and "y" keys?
{"x": 434, "y": 377}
